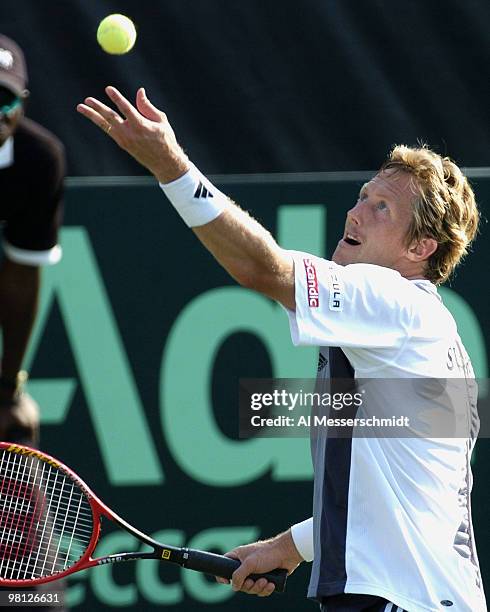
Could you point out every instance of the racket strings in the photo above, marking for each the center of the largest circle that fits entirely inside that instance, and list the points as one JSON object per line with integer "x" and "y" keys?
{"x": 46, "y": 521}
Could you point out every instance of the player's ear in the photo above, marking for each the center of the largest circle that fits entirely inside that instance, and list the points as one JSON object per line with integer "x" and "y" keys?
{"x": 24, "y": 97}
{"x": 422, "y": 249}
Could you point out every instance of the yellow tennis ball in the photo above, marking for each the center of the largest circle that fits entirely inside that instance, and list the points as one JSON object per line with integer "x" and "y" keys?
{"x": 116, "y": 34}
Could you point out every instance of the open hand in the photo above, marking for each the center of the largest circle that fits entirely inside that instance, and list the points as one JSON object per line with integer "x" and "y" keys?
{"x": 142, "y": 130}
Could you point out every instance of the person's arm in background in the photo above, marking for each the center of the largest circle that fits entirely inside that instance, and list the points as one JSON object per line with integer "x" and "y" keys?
{"x": 19, "y": 291}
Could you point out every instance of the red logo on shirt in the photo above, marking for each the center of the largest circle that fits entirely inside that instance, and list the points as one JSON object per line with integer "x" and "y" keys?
{"x": 312, "y": 284}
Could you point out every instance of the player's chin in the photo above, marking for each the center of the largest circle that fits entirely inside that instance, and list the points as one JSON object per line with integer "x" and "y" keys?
{"x": 343, "y": 256}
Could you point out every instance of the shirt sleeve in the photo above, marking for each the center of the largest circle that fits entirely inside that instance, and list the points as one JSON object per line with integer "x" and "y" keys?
{"x": 302, "y": 534}
{"x": 358, "y": 306}
{"x": 31, "y": 229}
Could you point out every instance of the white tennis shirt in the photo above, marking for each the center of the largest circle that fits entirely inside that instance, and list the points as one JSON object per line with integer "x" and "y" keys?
{"x": 391, "y": 516}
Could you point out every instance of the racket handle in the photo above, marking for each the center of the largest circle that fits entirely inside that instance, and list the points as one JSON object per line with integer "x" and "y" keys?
{"x": 219, "y": 565}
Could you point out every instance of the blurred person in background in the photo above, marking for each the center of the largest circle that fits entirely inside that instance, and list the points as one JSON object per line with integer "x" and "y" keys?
{"x": 32, "y": 169}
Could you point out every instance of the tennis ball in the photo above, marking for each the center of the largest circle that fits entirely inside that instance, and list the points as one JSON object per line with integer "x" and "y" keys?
{"x": 116, "y": 34}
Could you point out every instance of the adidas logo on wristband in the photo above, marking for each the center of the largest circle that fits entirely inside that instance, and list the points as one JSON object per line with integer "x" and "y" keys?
{"x": 202, "y": 192}
{"x": 196, "y": 202}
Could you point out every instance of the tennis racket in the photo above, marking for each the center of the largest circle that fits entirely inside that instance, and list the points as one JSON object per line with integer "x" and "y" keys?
{"x": 50, "y": 524}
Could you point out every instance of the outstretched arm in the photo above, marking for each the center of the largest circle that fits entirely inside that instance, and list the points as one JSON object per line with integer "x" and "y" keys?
{"x": 239, "y": 243}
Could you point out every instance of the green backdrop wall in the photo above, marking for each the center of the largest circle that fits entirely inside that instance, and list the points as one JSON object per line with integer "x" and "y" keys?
{"x": 135, "y": 360}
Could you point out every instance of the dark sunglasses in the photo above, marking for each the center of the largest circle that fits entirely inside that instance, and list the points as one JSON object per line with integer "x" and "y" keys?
{"x": 8, "y": 109}
{"x": 9, "y": 103}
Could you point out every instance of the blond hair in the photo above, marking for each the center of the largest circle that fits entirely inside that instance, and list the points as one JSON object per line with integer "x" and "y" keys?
{"x": 444, "y": 207}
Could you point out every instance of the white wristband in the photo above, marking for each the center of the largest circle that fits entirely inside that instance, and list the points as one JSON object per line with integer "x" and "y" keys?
{"x": 302, "y": 534}
{"x": 195, "y": 198}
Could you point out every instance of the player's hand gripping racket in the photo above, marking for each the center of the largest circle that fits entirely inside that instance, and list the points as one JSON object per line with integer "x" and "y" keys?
{"x": 50, "y": 526}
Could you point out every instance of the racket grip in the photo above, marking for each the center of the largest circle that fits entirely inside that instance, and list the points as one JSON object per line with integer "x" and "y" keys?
{"x": 219, "y": 565}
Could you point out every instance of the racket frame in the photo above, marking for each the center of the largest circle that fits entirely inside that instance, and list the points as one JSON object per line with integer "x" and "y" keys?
{"x": 99, "y": 510}
{"x": 197, "y": 560}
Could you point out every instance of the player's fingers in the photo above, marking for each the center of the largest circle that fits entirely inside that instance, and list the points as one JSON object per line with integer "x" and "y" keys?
{"x": 147, "y": 109}
{"x": 248, "y": 586}
{"x": 105, "y": 111}
{"x": 94, "y": 117}
{"x": 125, "y": 107}
{"x": 222, "y": 580}
{"x": 267, "y": 590}
{"x": 254, "y": 587}
{"x": 239, "y": 576}
{"x": 261, "y": 587}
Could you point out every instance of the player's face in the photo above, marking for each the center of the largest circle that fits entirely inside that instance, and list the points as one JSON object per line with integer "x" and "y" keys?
{"x": 11, "y": 109}
{"x": 376, "y": 228}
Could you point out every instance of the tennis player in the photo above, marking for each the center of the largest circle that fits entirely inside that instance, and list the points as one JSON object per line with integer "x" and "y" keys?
{"x": 391, "y": 527}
